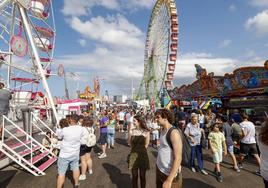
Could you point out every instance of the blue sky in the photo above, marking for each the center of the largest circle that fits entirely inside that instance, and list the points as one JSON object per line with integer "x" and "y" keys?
{"x": 219, "y": 35}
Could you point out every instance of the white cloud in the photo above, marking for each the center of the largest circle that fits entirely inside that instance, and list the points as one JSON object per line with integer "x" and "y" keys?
{"x": 83, "y": 7}
{"x": 225, "y": 43}
{"x": 77, "y": 8}
{"x": 258, "y": 23}
{"x": 185, "y": 65}
{"x": 109, "y": 4}
{"x": 194, "y": 55}
{"x": 232, "y": 8}
{"x": 82, "y": 42}
{"x": 118, "y": 63}
{"x": 259, "y": 3}
{"x": 112, "y": 30}
{"x": 185, "y": 71}
{"x": 116, "y": 66}
{"x": 138, "y": 3}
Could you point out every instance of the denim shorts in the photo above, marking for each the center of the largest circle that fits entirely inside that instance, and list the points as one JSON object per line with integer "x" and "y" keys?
{"x": 63, "y": 164}
{"x": 230, "y": 149}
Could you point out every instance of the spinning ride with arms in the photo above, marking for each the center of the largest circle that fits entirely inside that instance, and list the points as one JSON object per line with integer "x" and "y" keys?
{"x": 27, "y": 40}
{"x": 160, "y": 51}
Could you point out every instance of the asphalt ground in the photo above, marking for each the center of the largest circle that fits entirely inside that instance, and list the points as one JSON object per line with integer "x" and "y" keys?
{"x": 112, "y": 172}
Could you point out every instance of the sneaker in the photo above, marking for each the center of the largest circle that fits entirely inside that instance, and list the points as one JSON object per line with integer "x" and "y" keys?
{"x": 236, "y": 169}
{"x": 112, "y": 147}
{"x": 258, "y": 173}
{"x": 204, "y": 172}
{"x": 193, "y": 169}
{"x": 99, "y": 153}
{"x": 240, "y": 165}
{"x": 108, "y": 147}
{"x": 82, "y": 177}
{"x": 90, "y": 171}
{"x": 102, "y": 156}
{"x": 220, "y": 178}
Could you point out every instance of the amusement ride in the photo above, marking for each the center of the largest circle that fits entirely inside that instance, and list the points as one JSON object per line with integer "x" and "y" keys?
{"x": 27, "y": 40}
{"x": 160, "y": 52}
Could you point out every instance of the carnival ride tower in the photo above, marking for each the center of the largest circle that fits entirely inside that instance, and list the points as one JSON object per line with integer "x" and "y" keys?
{"x": 91, "y": 95}
{"x": 160, "y": 52}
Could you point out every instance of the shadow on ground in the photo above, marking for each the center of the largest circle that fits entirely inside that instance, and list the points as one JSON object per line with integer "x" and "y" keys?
{"x": 116, "y": 176}
{"x": 190, "y": 183}
{"x": 6, "y": 177}
{"x": 121, "y": 141}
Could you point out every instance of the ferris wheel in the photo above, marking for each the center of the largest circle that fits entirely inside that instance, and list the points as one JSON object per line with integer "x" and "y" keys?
{"x": 160, "y": 51}
{"x": 27, "y": 40}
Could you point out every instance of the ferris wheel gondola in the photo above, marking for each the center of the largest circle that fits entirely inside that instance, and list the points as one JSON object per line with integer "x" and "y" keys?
{"x": 160, "y": 51}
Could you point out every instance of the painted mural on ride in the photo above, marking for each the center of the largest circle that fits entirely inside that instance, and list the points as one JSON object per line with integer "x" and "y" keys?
{"x": 243, "y": 81}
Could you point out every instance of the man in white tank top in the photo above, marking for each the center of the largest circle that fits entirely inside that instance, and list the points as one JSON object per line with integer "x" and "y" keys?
{"x": 168, "y": 171}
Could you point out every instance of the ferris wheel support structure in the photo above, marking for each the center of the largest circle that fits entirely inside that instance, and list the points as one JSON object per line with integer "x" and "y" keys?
{"x": 10, "y": 50}
{"x": 3, "y": 3}
{"x": 37, "y": 60}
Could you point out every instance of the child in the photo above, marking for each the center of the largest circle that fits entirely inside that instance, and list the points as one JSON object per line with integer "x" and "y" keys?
{"x": 154, "y": 127}
{"x": 50, "y": 143}
{"x": 46, "y": 142}
{"x": 216, "y": 139}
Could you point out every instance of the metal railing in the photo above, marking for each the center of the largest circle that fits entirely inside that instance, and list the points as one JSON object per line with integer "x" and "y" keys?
{"x": 30, "y": 144}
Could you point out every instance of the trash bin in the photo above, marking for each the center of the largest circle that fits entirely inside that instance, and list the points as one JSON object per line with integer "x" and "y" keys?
{"x": 26, "y": 119}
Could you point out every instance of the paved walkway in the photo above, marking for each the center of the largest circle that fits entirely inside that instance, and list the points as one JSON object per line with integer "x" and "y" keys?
{"x": 112, "y": 172}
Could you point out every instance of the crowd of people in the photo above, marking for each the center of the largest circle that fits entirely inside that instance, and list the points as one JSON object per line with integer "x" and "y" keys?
{"x": 224, "y": 134}
{"x": 165, "y": 130}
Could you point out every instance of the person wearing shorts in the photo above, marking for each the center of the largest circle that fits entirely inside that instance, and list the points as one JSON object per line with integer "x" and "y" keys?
{"x": 103, "y": 134}
{"x": 85, "y": 157}
{"x": 228, "y": 132}
{"x": 216, "y": 139}
{"x": 154, "y": 128}
{"x": 248, "y": 142}
{"x": 121, "y": 121}
{"x": 71, "y": 137}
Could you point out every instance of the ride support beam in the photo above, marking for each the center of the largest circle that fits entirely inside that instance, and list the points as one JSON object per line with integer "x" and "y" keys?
{"x": 37, "y": 61}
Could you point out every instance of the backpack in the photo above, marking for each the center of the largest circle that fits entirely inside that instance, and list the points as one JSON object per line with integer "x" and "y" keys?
{"x": 186, "y": 148}
{"x": 91, "y": 139}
